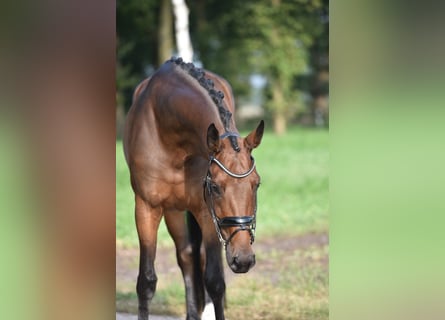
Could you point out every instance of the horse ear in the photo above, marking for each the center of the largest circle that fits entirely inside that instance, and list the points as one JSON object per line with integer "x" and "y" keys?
{"x": 213, "y": 142}
{"x": 253, "y": 140}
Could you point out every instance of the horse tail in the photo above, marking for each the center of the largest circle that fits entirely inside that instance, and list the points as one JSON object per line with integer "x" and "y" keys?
{"x": 195, "y": 238}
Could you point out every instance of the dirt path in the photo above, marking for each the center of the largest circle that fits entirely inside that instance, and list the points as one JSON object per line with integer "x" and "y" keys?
{"x": 127, "y": 316}
{"x": 166, "y": 266}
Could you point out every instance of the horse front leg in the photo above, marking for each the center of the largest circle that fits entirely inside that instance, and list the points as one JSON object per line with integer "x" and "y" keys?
{"x": 147, "y": 223}
{"x": 214, "y": 272}
{"x": 187, "y": 243}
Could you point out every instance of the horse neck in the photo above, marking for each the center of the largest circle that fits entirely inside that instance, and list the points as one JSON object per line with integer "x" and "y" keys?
{"x": 193, "y": 111}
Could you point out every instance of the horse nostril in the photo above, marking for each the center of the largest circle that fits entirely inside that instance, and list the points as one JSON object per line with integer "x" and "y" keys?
{"x": 241, "y": 263}
{"x": 252, "y": 261}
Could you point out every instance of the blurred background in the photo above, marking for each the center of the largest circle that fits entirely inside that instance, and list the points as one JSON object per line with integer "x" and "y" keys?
{"x": 274, "y": 53}
{"x": 60, "y": 180}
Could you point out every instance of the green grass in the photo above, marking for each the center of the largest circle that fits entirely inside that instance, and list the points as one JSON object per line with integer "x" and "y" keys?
{"x": 169, "y": 299}
{"x": 292, "y": 199}
{"x": 303, "y": 298}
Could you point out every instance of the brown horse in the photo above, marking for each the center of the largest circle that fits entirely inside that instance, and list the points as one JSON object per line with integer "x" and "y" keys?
{"x": 185, "y": 154}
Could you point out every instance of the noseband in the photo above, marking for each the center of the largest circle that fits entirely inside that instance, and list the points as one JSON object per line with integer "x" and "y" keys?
{"x": 243, "y": 223}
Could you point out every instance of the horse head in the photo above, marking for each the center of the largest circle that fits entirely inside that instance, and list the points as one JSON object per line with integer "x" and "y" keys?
{"x": 230, "y": 191}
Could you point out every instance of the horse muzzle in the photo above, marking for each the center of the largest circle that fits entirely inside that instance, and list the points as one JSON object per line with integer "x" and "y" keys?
{"x": 240, "y": 262}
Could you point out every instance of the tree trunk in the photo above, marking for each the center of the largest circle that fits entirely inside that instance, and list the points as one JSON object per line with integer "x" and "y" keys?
{"x": 165, "y": 33}
{"x": 278, "y": 104}
{"x": 183, "y": 42}
{"x": 279, "y": 124}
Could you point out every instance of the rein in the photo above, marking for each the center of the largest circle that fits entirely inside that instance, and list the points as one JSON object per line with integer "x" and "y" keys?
{"x": 243, "y": 223}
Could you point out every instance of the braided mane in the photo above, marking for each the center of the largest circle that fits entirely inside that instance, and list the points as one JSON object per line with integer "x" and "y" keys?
{"x": 217, "y": 96}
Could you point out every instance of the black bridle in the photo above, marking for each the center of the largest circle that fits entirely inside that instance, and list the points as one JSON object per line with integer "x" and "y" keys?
{"x": 243, "y": 223}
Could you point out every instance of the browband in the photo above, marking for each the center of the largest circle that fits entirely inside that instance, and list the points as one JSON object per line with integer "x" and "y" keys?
{"x": 230, "y": 173}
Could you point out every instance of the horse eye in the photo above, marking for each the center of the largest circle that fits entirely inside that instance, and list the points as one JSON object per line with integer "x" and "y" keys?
{"x": 215, "y": 189}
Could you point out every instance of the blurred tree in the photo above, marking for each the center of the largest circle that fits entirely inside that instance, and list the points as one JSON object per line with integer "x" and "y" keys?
{"x": 183, "y": 42}
{"x": 269, "y": 37}
{"x": 283, "y": 40}
{"x": 319, "y": 61}
{"x": 137, "y": 44}
{"x": 165, "y": 37}
{"x": 145, "y": 40}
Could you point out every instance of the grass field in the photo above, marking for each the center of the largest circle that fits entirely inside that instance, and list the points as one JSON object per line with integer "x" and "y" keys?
{"x": 290, "y": 279}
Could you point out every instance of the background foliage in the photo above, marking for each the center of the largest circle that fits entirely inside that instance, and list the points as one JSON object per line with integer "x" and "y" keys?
{"x": 285, "y": 41}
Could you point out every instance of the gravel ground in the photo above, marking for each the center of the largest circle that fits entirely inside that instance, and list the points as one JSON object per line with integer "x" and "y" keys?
{"x": 127, "y": 316}
{"x": 208, "y": 314}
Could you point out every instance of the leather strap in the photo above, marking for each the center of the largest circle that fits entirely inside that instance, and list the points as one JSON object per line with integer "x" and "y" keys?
{"x": 235, "y": 221}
